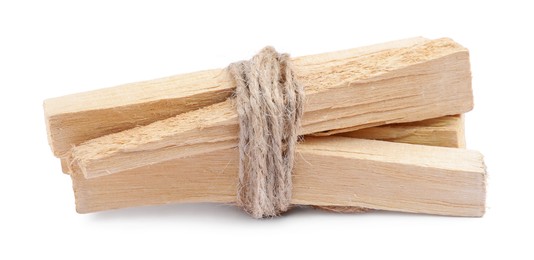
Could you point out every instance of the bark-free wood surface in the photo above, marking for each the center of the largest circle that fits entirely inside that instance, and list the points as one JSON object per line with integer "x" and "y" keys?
{"x": 76, "y": 118}
{"x": 423, "y": 81}
{"x": 447, "y": 131}
{"x": 330, "y": 171}
{"x": 80, "y": 117}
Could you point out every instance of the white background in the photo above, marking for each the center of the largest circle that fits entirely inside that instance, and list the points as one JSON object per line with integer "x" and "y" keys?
{"x": 51, "y": 48}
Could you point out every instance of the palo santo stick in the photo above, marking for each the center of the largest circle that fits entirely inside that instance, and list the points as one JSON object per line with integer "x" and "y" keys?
{"x": 424, "y": 81}
{"x": 76, "y": 118}
{"x": 447, "y": 131}
{"x": 329, "y": 171}
{"x": 80, "y": 117}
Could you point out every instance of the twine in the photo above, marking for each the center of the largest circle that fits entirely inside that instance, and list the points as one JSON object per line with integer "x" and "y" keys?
{"x": 269, "y": 104}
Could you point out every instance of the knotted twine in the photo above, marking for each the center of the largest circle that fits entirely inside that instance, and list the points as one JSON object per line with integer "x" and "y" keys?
{"x": 270, "y": 104}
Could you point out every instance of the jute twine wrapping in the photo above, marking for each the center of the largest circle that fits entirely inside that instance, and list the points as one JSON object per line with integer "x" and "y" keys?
{"x": 269, "y": 104}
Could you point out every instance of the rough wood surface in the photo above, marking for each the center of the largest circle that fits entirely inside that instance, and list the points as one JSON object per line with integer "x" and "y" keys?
{"x": 76, "y": 118}
{"x": 426, "y": 80}
{"x": 447, "y": 131}
{"x": 329, "y": 171}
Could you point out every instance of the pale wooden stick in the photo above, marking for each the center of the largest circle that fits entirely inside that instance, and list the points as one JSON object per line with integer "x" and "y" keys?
{"x": 424, "y": 81}
{"x": 329, "y": 171}
{"x": 447, "y": 131}
{"x": 76, "y": 118}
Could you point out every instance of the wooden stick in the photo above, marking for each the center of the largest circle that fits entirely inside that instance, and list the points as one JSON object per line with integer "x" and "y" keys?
{"x": 336, "y": 171}
{"x": 447, "y": 131}
{"x": 76, "y": 118}
{"x": 424, "y": 81}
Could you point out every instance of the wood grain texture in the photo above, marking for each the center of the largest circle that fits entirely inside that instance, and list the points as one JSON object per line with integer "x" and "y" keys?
{"x": 447, "y": 131}
{"x": 329, "y": 171}
{"x": 423, "y": 81}
{"x": 76, "y": 118}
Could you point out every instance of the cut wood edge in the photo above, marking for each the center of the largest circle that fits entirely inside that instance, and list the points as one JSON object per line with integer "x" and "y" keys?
{"x": 462, "y": 143}
{"x": 331, "y": 171}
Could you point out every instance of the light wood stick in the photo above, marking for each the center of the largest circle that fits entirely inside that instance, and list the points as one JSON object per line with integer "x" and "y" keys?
{"x": 447, "y": 131}
{"x": 329, "y": 171}
{"x": 76, "y": 118}
{"x": 424, "y": 81}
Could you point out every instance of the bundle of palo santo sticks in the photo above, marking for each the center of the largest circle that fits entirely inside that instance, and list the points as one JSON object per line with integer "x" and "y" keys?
{"x": 382, "y": 129}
